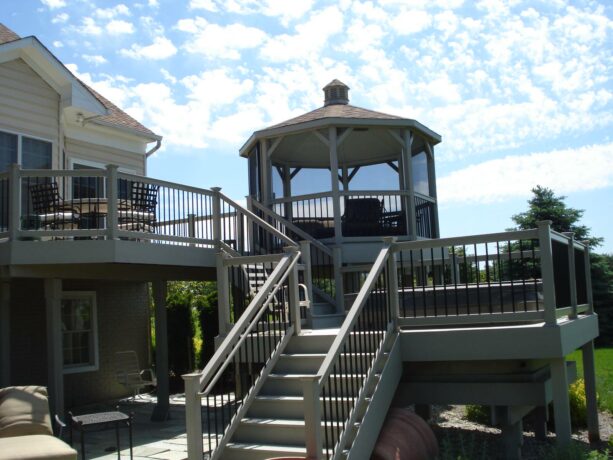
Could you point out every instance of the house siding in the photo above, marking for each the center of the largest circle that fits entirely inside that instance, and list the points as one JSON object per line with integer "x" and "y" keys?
{"x": 123, "y": 324}
{"x": 28, "y": 105}
{"x": 80, "y": 150}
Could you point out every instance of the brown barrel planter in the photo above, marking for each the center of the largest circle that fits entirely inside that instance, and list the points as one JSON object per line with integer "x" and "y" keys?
{"x": 405, "y": 436}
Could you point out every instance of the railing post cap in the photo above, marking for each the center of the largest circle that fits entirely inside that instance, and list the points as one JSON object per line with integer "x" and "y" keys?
{"x": 112, "y": 166}
{"x": 290, "y": 248}
{"x": 191, "y": 376}
{"x": 216, "y": 189}
{"x": 389, "y": 239}
{"x": 569, "y": 234}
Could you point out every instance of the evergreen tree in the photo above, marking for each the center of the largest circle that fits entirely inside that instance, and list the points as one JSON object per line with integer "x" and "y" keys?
{"x": 545, "y": 205}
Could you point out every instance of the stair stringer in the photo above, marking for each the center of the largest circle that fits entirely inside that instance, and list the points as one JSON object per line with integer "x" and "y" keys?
{"x": 369, "y": 426}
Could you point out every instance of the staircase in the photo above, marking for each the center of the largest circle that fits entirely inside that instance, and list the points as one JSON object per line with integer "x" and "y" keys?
{"x": 274, "y": 425}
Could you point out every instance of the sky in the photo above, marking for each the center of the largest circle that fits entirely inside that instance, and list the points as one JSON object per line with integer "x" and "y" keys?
{"x": 520, "y": 91}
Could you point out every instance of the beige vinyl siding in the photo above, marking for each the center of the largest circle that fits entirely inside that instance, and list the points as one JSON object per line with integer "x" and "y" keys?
{"x": 79, "y": 150}
{"x": 28, "y": 105}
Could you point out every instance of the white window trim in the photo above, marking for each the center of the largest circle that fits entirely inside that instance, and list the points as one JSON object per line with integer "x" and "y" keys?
{"x": 96, "y": 364}
{"x": 95, "y": 164}
{"x": 20, "y": 136}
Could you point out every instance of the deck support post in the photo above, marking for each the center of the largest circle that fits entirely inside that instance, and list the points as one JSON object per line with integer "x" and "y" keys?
{"x": 540, "y": 423}
{"x": 339, "y": 292}
{"x": 589, "y": 377}
{"x": 312, "y": 418}
{"x": 549, "y": 288}
{"x": 161, "y": 411}
{"x": 55, "y": 362}
{"x": 561, "y": 405}
{"x": 193, "y": 416}
{"x": 5, "y": 332}
{"x": 512, "y": 438}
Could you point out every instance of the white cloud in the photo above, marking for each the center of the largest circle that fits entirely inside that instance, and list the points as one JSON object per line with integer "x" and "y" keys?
{"x": 168, "y": 76}
{"x": 565, "y": 171}
{"x": 219, "y": 42}
{"x": 54, "y": 4}
{"x": 119, "y": 27}
{"x": 208, "y": 5}
{"x": 94, "y": 59}
{"x": 58, "y": 44}
{"x": 285, "y": 10}
{"x": 411, "y": 21}
{"x": 60, "y": 18}
{"x": 110, "y": 13}
{"x": 161, "y": 48}
{"x": 89, "y": 27}
{"x": 153, "y": 3}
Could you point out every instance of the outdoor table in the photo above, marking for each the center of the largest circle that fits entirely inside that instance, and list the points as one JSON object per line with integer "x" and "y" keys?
{"x": 82, "y": 422}
{"x": 93, "y": 211}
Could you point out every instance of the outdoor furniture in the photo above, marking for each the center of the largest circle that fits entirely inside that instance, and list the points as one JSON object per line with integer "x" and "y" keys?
{"x": 87, "y": 422}
{"x": 138, "y": 213}
{"x": 50, "y": 209}
{"x": 362, "y": 217}
{"x": 129, "y": 373}
{"x": 25, "y": 426}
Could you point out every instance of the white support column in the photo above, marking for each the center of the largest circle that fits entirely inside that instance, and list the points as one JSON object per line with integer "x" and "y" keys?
{"x": 55, "y": 361}
{"x": 161, "y": 411}
{"x": 407, "y": 165}
{"x": 589, "y": 377}
{"x": 339, "y": 289}
{"x": 336, "y": 197}
{"x": 5, "y": 332}
{"x": 294, "y": 296}
{"x": 432, "y": 184}
{"x": 392, "y": 276}
{"x": 193, "y": 416}
{"x": 572, "y": 275}
{"x": 549, "y": 289}
{"x": 561, "y": 405}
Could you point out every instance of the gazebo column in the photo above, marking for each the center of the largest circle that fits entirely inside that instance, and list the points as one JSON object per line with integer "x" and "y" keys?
{"x": 436, "y": 233}
{"x": 338, "y": 232}
{"x": 5, "y": 332}
{"x": 409, "y": 187}
{"x": 265, "y": 173}
{"x": 161, "y": 411}
{"x": 55, "y": 361}
{"x": 287, "y": 191}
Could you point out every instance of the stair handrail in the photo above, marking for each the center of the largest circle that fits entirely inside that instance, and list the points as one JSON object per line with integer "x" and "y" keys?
{"x": 197, "y": 385}
{"x": 293, "y": 227}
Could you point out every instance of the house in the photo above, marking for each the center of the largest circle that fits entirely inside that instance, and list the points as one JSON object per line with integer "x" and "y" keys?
{"x": 337, "y": 298}
{"x": 52, "y": 121}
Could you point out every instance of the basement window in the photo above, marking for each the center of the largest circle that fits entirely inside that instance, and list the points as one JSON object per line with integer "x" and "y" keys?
{"x": 79, "y": 332}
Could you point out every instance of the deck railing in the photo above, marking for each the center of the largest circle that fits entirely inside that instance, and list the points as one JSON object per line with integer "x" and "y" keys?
{"x": 314, "y": 213}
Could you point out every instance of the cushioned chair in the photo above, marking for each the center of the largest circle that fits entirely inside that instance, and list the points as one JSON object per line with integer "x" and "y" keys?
{"x": 25, "y": 426}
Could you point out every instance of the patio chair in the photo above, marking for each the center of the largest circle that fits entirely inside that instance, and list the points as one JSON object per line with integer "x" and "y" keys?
{"x": 129, "y": 373}
{"x": 50, "y": 209}
{"x": 138, "y": 213}
{"x": 362, "y": 217}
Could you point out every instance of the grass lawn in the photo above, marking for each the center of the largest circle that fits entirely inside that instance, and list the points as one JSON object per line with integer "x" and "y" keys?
{"x": 604, "y": 374}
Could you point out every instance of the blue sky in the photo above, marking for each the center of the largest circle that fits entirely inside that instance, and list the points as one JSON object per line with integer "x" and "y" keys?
{"x": 520, "y": 91}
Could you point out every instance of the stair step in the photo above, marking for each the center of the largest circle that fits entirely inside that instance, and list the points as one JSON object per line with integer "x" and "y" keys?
{"x": 292, "y": 384}
{"x": 291, "y": 407}
{"x": 320, "y": 321}
{"x": 271, "y": 430}
{"x": 299, "y": 362}
{"x": 314, "y": 342}
{"x": 255, "y": 451}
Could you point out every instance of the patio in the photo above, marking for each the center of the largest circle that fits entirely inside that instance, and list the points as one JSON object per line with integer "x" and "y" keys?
{"x": 151, "y": 440}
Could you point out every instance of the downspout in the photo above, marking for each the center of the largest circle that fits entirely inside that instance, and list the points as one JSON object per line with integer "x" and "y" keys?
{"x": 155, "y": 148}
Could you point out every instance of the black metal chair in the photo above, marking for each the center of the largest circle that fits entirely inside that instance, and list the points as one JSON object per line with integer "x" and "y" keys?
{"x": 49, "y": 207}
{"x": 362, "y": 217}
{"x": 138, "y": 213}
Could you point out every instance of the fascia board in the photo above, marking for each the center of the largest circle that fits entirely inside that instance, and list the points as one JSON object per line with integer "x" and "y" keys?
{"x": 341, "y": 122}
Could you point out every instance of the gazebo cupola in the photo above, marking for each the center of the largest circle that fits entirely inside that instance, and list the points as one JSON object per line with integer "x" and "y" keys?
{"x": 345, "y": 174}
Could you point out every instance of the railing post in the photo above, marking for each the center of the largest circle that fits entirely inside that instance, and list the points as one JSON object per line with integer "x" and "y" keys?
{"x": 191, "y": 227}
{"x": 572, "y": 275}
{"x": 549, "y": 289}
{"x": 305, "y": 252}
{"x": 111, "y": 196}
{"x": 216, "y": 214}
{"x": 588, "y": 278}
{"x": 193, "y": 416}
{"x": 338, "y": 279}
{"x": 312, "y": 417}
{"x": 392, "y": 278}
{"x": 294, "y": 295}
{"x": 223, "y": 291}
{"x": 14, "y": 202}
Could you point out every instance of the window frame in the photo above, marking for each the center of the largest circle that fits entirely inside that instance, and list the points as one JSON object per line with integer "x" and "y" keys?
{"x": 94, "y": 353}
{"x": 20, "y": 136}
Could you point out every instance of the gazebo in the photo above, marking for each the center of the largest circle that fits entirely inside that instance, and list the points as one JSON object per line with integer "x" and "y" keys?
{"x": 326, "y": 150}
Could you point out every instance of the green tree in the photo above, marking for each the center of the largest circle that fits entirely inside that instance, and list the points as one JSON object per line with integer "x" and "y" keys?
{"x": 545, "y": 205}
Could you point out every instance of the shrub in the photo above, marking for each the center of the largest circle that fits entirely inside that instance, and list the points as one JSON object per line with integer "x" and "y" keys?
{"x": 478, "y": 414}
{"x": 578, "y": 404}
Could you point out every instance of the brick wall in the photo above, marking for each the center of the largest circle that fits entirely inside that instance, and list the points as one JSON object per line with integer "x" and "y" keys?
{"x": 123, "y": 322}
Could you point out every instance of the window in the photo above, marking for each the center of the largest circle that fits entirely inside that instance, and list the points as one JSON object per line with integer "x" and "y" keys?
{"x": 79, "y": 332}
{"x": 87, "y": 187}
{"x": 29, "y": 152}
{"x": 420, "y": 174}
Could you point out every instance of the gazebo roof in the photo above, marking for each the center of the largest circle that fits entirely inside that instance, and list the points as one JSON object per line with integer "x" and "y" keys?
{"x": 371, "y": 133}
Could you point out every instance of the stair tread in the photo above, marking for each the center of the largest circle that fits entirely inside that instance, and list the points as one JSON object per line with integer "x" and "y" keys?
{"x": 266, "y": 447}
{"x": 271, "y": 398}
{"x": 303, "y": 355}
{"x": 281, "y": 422}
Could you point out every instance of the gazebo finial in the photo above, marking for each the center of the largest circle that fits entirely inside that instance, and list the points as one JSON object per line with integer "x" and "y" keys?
{"x": 336, "y": 92}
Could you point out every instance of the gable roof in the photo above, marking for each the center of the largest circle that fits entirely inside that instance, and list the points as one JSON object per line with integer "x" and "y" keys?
{"x": 114, "y": 117}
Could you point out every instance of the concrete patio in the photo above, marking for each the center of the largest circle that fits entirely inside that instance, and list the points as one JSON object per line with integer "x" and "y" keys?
{"x": 151, "y": 440}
